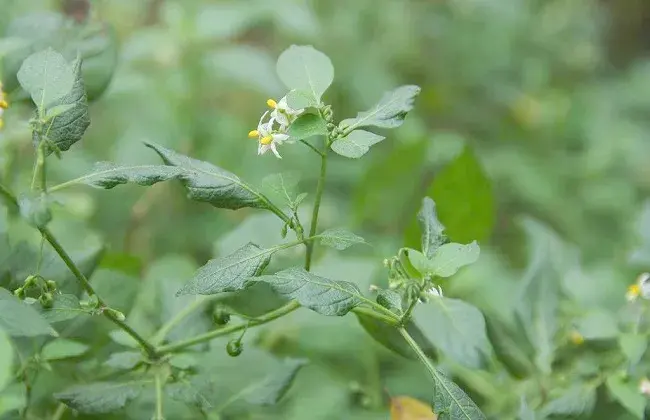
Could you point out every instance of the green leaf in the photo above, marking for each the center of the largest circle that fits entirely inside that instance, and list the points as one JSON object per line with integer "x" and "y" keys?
{"x": 186, "y": 392}
{"x": 464, "y": 199}
{"x": 449, "y": 258}
{"x": 124, "y": 360}
{"x": 282, "y": 185}
{"x": 356, "y": 144}
{"x": 325, "y": 296}
{"x": 627, "y": 394}
{"x": 47, "y": 76}
{"x": 229, "y": 273}
{"x": 21, "y": 320}
{"x": 633, "y": 346}
{"x": 506, "y": 344}
{"x": 339, "y": 239}
{"x": 306, "y": 69}
{"x": 121, "y": 337}
{"x": 577, "y": 401}
{"x": 307, "y": 125}
{"x": 35, "y": 210}
{"x": 451, "y": 403}
{"x": 390, "y": 112}
{"x": 390, "y": 299}
{"x": 389, "y": 337}
{"x": 298, "y": 99}
{"x": 108, "y": 175}
{"x": 63, "y": 348}
{"x": 433, "y": 236}
{"x": 597, "y": 325}
{"x": 209, "y": 183}
{"x": 456, "y": 327}
{"x": 100, "y": 397}
{"x": 6, "y": 359}
{"x": 64, "y": 307}
{"x": 272, "y": 388}
{"x": 68, "y": 127}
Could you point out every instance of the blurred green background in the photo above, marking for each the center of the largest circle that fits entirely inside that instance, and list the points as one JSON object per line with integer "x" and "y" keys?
{"x": 552, "y": 96}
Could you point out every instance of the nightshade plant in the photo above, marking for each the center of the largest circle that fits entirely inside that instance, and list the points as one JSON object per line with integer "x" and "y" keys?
{"x": 300, "y": 119}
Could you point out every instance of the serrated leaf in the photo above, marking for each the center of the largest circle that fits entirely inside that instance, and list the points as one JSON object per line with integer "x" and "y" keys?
{"x": 633, "y": 346}
{"x": 35, "y": 210}
{"x": 6, "y": 359}
{"x": 449, "y": 258}
{"x": 186, "y": 392}
{"x": 305, "y": 69}
{"x": 339, "y": 239}
{"x": 47, "y": 76}
{"x": 627, "y": 394}
{"x": 464, "y": 199}
{"x": 322, "y": 295}
{"x": 274, "y": 386}
{"x": 356, "y": 144}
{"x": 66, "y": 129}
{"x": 229, "y": 273}
{"x": 208, "y": 183}
{"x": 432, "y": 230}
{"x": 100, "y": 397}
{"x": 63, "y": 348}
{"x": 390, "y": 299}
{"x": 577, "y": 401}
{"x": 456, "y": 327}
{"x": 409, "y": 408}
{"x": 124, "y": 360}
{"x": 21, "y": 320}
{"x": 307, "y": 125}
{"x": 390, "y": 112}
{"x": 64, "y": 307}
{"x": 451, "y": 403}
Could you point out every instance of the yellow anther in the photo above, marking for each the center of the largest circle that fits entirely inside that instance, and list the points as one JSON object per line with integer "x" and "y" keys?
{"x": 576, "y": 338}
{"x": 4, "y": 104}
{"x": 633, "y": 290}
{"x": 271, "y": 103}
{"x": 266, "y": 140}
{"x": 253, "y": 134}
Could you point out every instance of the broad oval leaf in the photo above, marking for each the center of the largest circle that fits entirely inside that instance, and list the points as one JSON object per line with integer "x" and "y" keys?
{"x": 69, "y": 126}
{"x": 209, "y": 183}
{"x": 633, "y": 346}
{"x": 229, "y": 273}
{"x": 307, "y": 125}
{"x": 35, "y": 209}
{"x": 186, "y": 392}
{"x": 449, "y": 258}
{"x": 389, "y": 337}
{"x": 322, "y": 295}
{"x": 390, "y": 112}
{"x": 390, "y": 299}
{"x": 124, "y": 360}
{"x": 451, "y": 403}
{"x": 19, "y": 319}
{"x": 64, "y": 307}
{"x": 273, "y": 387}
{"x": 282, "y": 186}
{"x": 575, "y": 402}
{"x": 339, "y": 239}
{"x": 432, "y": 230}
{"x": 464, "y": 199}
{"x": 306, "y": 69}
{"x": 47, "y": 76}
{"x": 100, "y": 397}
{"x": 356, "y": 144}
{"x": 456, "y": 327}
{"x": 627, "y": 394}
{"x": 6, "y": 358}
{"x": 62, "y": 348}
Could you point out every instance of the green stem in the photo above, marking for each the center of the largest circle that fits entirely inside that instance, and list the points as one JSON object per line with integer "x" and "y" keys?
{"x": 407, "y": 315}
{"x": 418, "y": 351}
{"x": 60, "y": 410}
{"x": 159, "y": 397}
{"x": 9, "y": 197}
{"x": 390, "y": 320}
{"x": 314, "y": 215}
{"x": 268, "y": 317}
{"x": 312, "y": 147}
{"x": 160, "y": 335}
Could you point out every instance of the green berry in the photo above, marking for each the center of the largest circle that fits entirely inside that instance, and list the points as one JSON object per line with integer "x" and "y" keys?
{"x": 51, "y": 285}
{"x": 234, "y": 347}
{"x": 221, "y": 316}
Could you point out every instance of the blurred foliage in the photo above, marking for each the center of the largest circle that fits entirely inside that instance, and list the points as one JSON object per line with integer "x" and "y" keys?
{"x": 550, "y": 97}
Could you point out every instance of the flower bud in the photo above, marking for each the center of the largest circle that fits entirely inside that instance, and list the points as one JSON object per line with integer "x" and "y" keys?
{"x": 46, "y": 300}
{"x": 29, "y": 282}
{"x": 221, "y": 316}
{"x": 234, "y": 347}
{"x": 20, "y": 293}
{"x": 115, "y": 314}
{"x": 51, "y": 285}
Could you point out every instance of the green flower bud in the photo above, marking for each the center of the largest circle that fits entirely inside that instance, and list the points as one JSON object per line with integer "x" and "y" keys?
{"x": 46, "y": 300}
{"x": 115, "y": 314}
{"x": 29, "y": 282}
{"x": 221, "y": 316}
{"x": 51, "y": 285}
{"x": 283, "y": 232}
{"x": 20, "y": 293}
{"x": 234, "y": 347}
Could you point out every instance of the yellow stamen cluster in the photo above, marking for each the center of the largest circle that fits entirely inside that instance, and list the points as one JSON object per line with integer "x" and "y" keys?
{"x": 633, "y": 290}
{"x": 253, "y": 134}
{"x": 266, "y": 140}
{"x": 576, "y": 338}
{"x": 271, "y": 103}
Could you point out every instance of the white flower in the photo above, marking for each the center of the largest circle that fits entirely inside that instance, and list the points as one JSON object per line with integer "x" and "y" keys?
{"x": 268, "y": 138}
{"x": 437, "y": 292}
{"x": 644, "y": 386}
{"x": 283, "y": 113}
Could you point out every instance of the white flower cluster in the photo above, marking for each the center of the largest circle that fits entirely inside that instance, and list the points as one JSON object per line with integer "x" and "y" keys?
{"x": 273, "y": 133}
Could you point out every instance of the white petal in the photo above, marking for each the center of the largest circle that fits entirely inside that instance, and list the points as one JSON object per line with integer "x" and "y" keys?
{"x": 279, "y": 138}
{"x": 275, "y": 151}
{"x": 281, "y": 118}
{"x": 282, "y": 104}
{"x": 259, "y": 124}
{"x": 263, "y": 148}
